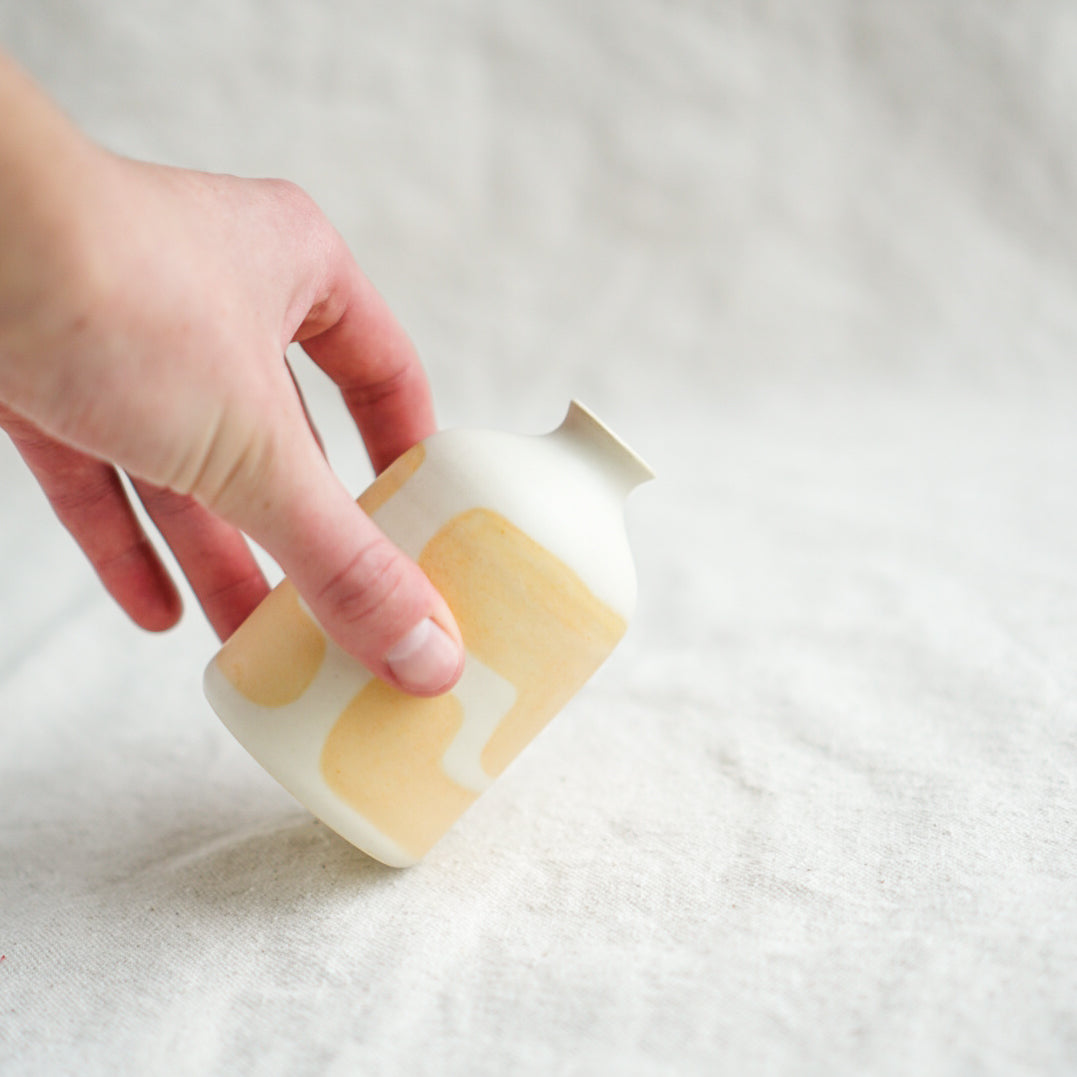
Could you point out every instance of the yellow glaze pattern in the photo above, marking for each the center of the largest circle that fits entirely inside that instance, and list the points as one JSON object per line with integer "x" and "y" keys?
{"x": 383, "y": 757}
{"x": 391, "y": 479}
{"x": 524, "y": 614}
{"x": 276, "y": 653}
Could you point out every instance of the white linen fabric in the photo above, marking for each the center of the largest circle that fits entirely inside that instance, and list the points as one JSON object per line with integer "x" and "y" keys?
{"x": 818, "y": 264}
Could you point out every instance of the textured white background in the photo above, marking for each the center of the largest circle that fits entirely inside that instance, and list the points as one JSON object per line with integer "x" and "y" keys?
{"x": 818, "y": 263}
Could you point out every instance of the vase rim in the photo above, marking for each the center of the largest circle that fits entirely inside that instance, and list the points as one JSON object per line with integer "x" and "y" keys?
{"x": 583, "y": 420}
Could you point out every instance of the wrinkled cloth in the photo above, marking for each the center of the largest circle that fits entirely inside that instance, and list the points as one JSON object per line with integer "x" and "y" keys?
{"x": 816, "y": 815}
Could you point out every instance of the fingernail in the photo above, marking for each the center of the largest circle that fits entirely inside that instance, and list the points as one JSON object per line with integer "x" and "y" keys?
{"x": 426, "y": 659}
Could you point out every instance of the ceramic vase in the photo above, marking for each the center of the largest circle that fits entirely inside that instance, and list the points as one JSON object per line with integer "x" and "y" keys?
{"x": 524, "y": 537}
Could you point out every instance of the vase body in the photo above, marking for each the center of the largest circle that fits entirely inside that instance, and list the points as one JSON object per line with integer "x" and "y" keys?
{"x": 524, "y": 537}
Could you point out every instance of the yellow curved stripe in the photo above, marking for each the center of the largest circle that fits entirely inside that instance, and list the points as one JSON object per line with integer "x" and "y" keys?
{"x": 275, "y": 654}
{"x": 383, "y": 757}
{"x": 391, "y": 479}
{"x": 524, "y": 614}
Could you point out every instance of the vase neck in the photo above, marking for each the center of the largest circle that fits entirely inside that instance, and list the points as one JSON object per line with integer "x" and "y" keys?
{"x": 589, "y": 435}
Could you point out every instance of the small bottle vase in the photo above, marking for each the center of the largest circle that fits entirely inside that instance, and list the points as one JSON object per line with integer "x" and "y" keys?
{"x": 524, "y": 537}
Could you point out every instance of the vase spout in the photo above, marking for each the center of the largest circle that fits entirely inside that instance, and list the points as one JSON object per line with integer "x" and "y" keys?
{"x": 622, "y": 465}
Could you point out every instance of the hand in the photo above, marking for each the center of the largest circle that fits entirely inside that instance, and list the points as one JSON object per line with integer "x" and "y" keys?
{"x": 144, "y": 315}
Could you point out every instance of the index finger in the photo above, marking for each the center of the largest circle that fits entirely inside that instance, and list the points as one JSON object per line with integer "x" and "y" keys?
{"x": 355, "y": 338}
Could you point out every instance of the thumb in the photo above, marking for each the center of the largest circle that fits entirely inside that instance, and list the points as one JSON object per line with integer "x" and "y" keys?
{"x": 375, "y": 602}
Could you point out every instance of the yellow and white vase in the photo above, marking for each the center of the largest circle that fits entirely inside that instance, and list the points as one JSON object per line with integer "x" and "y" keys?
{"x": 524, "y": 537}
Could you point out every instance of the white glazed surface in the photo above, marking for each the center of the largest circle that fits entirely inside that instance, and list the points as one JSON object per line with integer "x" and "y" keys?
{"x": 540, "y": 483}
{"x": 816, "y": 816}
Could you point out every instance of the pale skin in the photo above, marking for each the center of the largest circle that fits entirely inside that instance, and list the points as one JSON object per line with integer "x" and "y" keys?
{"x": 144, "y": 316}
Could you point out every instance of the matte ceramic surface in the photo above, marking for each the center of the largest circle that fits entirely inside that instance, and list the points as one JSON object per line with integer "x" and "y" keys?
{"x": 524, "y": 537}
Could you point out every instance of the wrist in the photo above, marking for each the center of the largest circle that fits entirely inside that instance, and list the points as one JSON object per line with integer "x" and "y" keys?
{"x": 48, "y": 173}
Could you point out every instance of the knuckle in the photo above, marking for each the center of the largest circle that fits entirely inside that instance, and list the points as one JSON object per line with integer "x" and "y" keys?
{"x": 222, "y": 468}
{"x": 295, "y": 198}
{"x": 363, "y": 592}
{"x": 369, "y": 395}
{"x": 165, "y": 504}
{"x": 85, "y": 495}
{"x": 223, "y": 486}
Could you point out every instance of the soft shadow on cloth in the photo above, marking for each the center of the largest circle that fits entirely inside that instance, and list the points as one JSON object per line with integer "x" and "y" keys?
{"x": 176, "y": 854}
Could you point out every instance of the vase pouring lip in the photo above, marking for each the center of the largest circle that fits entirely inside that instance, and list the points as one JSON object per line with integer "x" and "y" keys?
{"x": 582, "y": 423}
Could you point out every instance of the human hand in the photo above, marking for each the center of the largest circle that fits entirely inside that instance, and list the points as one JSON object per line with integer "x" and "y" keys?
{"x": 144, "y": 315}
